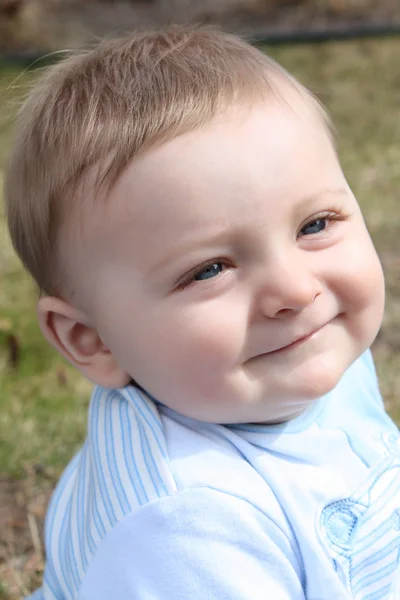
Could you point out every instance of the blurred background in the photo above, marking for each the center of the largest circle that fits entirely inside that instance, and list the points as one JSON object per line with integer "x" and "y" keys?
{"x": 348, "y": 56}
{"x": 39, "y": 25}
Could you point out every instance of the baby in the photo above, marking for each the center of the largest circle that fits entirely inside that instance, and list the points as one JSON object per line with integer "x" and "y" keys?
{"x": 179, "y": 201}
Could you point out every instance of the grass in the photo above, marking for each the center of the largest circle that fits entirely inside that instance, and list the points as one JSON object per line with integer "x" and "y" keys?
{"x": 44, "y": 402}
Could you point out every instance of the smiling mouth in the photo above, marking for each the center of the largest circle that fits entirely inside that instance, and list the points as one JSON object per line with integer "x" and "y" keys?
{"x": 294, "y": 344}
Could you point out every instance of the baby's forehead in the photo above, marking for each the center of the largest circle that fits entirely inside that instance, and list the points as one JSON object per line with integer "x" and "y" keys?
{"x": 233, "y": 130}
{"x": 242, "y": 151}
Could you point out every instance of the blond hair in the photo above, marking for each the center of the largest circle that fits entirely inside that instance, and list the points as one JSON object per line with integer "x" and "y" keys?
{"x": 105, "y": 106}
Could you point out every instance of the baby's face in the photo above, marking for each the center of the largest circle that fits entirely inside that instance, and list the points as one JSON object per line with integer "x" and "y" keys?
{"x": 232, "y": 275}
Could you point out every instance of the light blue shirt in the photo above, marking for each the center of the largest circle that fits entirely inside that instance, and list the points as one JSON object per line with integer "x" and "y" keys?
{"x": 157, "y": 506}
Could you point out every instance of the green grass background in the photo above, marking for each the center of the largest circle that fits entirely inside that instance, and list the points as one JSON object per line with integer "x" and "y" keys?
{"x": 43, "y": 401}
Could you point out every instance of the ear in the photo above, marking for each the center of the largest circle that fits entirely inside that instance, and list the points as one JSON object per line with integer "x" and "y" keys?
{"x": 70, "y": 332}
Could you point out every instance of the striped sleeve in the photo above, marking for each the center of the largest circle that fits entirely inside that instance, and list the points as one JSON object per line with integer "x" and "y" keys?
{"x": 122, "y": 466}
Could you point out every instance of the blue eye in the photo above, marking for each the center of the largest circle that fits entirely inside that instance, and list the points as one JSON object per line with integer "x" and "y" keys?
{"x": 209, "y": 272}
{"x": 313, "y": 227}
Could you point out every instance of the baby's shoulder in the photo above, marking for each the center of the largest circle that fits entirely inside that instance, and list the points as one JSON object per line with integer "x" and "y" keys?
{"x": 137, "y": 455}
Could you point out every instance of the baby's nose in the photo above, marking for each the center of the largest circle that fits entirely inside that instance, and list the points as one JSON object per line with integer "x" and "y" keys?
{"x": 289, "y": 288}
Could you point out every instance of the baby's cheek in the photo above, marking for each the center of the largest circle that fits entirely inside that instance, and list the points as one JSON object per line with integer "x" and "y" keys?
{"x": 369, "y": 286}
{"x": 215, "y": 338}
{"x": 361, "y": 271}
{"x": 366, "y": 298}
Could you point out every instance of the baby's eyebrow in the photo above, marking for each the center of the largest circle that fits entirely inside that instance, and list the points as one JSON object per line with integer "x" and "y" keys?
{"x": 222, "y": 236}
{"x": 322, "y": 195}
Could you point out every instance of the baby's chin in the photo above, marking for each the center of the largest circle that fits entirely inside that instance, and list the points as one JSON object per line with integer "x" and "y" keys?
{"x": 308, "y": 386}
{"x": 279, "y": 414}
{"x": 260, "y": 412}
